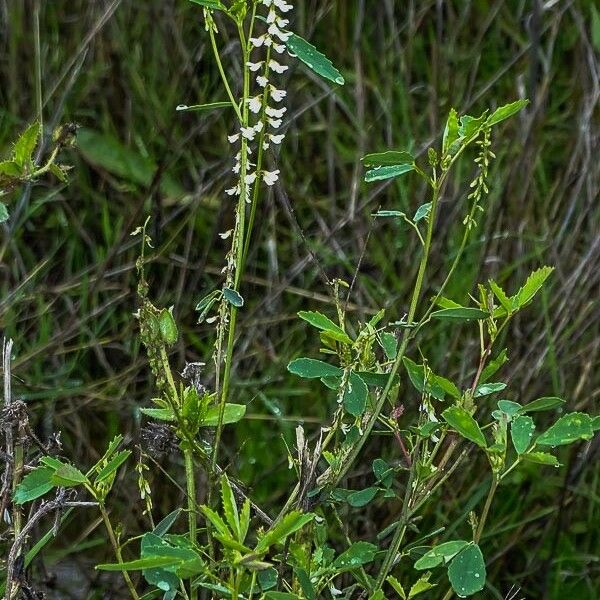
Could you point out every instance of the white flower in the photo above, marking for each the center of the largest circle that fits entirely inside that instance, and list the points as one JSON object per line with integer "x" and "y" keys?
{"x": 262, "y": 81}
{"x": 255, "y": 104}
{"x": 255, "y": 66}
{"x": 267, "y": 2}
{"x": 248, "y": 132}
{"x": 213, "y": 319}
{"x": 275, "y": 66}
{"x": 276, "y": 139}
{"x": 233, "y": 138}
{"x": 274, "y": 31}
{"x": 236, "y": 168}
{"x": 257, "y": 42}
{"x": 277, "y": 95}
{"x": 275, "y": 112}
{"x": 232, "y": 191}
{"x": 226, "y": 234}
{"x": 250, "y": 178}
{"x": 280, "y": 48}
{"x": 275, "y": 123}
{"x": 282, "y": 22}
{"x": 265, "y": 145}
{"x": 258, "y": 127}
{"x": 271, "y": 16}
{"x": 270, "y": 177}
{"x": 268, "y": 40}
{"x": 282, "y": 5}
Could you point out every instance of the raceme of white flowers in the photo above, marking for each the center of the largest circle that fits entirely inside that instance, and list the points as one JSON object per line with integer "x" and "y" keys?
{"x": 269, "y": 116}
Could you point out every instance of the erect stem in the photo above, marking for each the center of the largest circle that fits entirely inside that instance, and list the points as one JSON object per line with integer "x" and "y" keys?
{"x": 117, "y": 551}
{"x": 486, "y": 508}
{"x": 357, "y": 447}
{"x": 188, "y": 455}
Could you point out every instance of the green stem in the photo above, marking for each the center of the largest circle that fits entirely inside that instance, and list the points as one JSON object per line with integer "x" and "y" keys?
{"x": 117, "y": 551}
{"x": 355, "y": 450}
{"x": 191, "y": 503}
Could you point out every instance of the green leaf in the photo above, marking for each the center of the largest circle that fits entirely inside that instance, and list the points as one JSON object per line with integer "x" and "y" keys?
{"x": 545, "y": 403}
{"x": 471, "y": 126}
{"x": 110, "y": 154}
{"x": 355, "y": 395}
{"x": 313, "y": 59}
{"x": 493, "y": 366}
{"x": 141, "y": 563}
{"x": 161, "y": 414}
{"x": 233, "y": 297}
{"x": 451, "y": 133}
{"x": 33, "y": 485}
{"x": 320, "y": 321}
{"x": 167, "y": 326}
{"x": 568, "y": 429}
{"x": 420, "y": 586}
{"x": 25, "y": 145}
{"x": 230, "y": 506}
{"x": 462, "y": 313}
{"x": 542, "y": 458}
{"x": 113, "y": 465}
{"x": 388, "y": 172}
{"x": 436, "y": 385}
{"x": 166, "y": 523}
{"x": 533, "y": 284}
{"x": 211, "y": 4}
{"x": 310, "y": 368}
{"x": 59, "y": 172}
{"x": 384, "y": 473}
{"x": 388, "y": 158}
{"x": 485, "y": 389}
{"x": 467, "y": 571}
{"x": 279, "y": 532}
{"x": 509, "y": 407}
{"x": 267, "y": 578}
{"x": 359, "y": 553}
{"x": 506, "y": 111}
{"x": 441, "y": 554}
{"x": 389, "y": 343}
{"x": 460, "y": 420}
{"x": 203, "y": 107}
{"x": 521, "y": 433}
{"x": 68, "y": 476}
{"x": 596, "y": 423}
{"x": 3, "y": 213}
{"x": 10, "y": 168}
{"x": 504, "y": 300}
{"x": 422, "y": 212}
{"x": 397, "y": 586}
{"x": 362, "y": 497}
{"x": 231, "y": 414}
{"x": 216, "y": 521}
{"x": 281, "y": 596}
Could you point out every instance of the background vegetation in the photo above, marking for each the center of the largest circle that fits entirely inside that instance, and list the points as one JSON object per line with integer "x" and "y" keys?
{"x": 67, "y": 274}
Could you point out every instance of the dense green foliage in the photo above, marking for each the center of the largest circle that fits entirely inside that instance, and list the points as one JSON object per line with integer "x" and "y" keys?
{"x": 379, "y": 202}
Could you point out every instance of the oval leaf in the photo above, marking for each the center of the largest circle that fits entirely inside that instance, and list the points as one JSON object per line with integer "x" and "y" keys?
{"x": 320, "y": 321}
{"x": 233, "y": 297}
{"x": 506, "y": 111}
{"x": 467, "y": 571}
{"x": 460, "y": 420}
{"x": 568, "y": 429}
{"x": 310, "y": 368}
{"x": 440, "y": 554}
{"x": 34, "y": 485}
{"x": 355, "y": 395}
{"x": 521, "y": 433}
{"x": 232, "y": 414}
